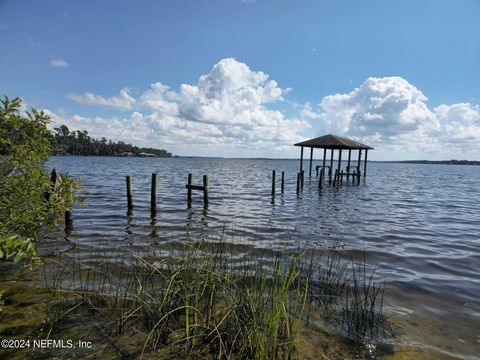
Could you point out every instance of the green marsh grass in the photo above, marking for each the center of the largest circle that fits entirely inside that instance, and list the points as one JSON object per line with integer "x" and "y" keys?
{"x": 198, "y": 300}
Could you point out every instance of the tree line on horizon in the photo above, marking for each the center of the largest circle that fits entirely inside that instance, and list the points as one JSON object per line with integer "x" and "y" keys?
{"x": 78, "y": 142}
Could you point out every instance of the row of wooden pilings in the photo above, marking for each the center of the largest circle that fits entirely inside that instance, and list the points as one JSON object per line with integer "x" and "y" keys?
{"x": 337, "y": 178}
{"x": 153, "y": 193}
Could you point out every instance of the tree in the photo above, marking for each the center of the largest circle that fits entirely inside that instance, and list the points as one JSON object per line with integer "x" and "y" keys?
{"x": 25, "y": 208}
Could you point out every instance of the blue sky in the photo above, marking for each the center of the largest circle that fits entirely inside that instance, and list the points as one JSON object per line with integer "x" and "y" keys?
{"x": 384, "y": 72}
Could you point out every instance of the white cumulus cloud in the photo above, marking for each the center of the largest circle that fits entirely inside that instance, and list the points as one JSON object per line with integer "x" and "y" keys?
{"x": 392, "y": 114}
{"x": 226, "y": 109}
{"x": 59, "y": 63}
{"x": 385, "y": 108}
{"x": 121, "y": 101}
{"x": 460, "y": 126}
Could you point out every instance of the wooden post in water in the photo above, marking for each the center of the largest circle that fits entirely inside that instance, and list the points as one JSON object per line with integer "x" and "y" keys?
{"x": 348, "y": 164}
{"x": 331, "y": 168}
{"x": 298, "y": 183}
{"x": 273, "y": 182}
{"x": 302, "y": 177}
{"x": 68, "y": 220}
{"x": 324, "y": 158}
{"x": 339, "y": 161}
{"x": 320, "y": 179}
{"x": 335, "y": 178}
{"x": 311, "y": 159}
{"x": 365, "y": 164}
{"x": 205, "y": 191}
{"x": 301, "y": 158}
{"x": 153, "y": 196}
{"x": 129, "y": 196}
{"x": 282, "y": 186}
{"x": 354, "y": 175}
{"x": 189, "y": 190}
{"x": 53, "y": 176}
{"x": 359, "y": 159}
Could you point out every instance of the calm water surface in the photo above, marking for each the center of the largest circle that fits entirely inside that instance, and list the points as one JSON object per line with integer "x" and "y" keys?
{"x": 418, "y": 224}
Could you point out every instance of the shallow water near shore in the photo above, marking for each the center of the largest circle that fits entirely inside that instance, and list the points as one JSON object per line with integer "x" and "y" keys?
{"x": 419, "y": 225}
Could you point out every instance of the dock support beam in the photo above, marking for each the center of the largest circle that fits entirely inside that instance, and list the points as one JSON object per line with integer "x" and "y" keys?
{"x": 339, "y": 161}
{"x": 348, "y": 164}
{"x": 324, "y": 158}
{"x": 331, "y": 168}
{"x": 301, "y": 158}
{"x": 311, "y": 158}
{"x": 365, "y": 164}
{"x": 358, "y": 163}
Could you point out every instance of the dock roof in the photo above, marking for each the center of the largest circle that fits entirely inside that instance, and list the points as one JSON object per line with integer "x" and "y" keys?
{"x": 333, "y": 142}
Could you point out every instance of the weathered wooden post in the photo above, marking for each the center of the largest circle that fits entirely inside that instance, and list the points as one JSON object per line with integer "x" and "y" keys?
{"x": 324, "y": 158}
{"x": 302, "y": 176}
{"x": 53, "y": 176}
{"x": 331, "y": 160}
{"x": 282, "y": 186}
{"x": 273, "y": 182}
{"x": 339, "y": 161}
{"x": 68, "y": 220}
{"x": 320, "y": 179}
{"x": 359, "y": 159}
{"x": 354, "y": 175}
{"x": 348, "y": 164}
{"x": 205, "y": 191}
{"x": 365, "y": 164}
{"x": 301, "y": 158}
{"x": 153, "y": 196}
{"x": 298, "y": 183}
{"x": 129, "y": 196}
{"x": 335, "y": 178}
{"x": 189, "y": 190}
{"x": 311, "y": 159}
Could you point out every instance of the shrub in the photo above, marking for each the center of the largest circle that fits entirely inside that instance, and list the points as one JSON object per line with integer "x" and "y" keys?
{"x": 29, "y": 201}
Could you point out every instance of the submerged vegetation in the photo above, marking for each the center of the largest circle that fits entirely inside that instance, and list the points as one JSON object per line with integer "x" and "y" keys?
{"x": 29, "y": 201}
{"x": 195, "y": 300}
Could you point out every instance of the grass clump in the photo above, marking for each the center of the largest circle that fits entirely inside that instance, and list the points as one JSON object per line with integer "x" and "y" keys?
{"x": 195, "y": 301}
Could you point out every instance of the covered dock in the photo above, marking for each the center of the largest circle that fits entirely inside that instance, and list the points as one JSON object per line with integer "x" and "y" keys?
{"x": 332, "y": 143}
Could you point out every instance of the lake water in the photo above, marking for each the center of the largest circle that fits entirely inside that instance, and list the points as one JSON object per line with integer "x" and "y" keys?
{"x": 418, "y": 224}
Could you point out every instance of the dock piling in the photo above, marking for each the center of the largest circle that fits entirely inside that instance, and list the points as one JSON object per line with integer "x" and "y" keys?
{"x": 282, "y": 186}
{"x": 153, "y": 196}
{"x": 129, "y": 195}
{"x": 205, "y": 191}
{"x": 189, "y": 190}
{"x": 273, "y": 182}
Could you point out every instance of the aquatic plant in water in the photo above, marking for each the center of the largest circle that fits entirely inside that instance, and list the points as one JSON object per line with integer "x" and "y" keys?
{"x": 194, "y": 301}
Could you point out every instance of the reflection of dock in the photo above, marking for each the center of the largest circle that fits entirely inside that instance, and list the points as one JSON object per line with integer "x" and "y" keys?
{"x": 332, "y": 143}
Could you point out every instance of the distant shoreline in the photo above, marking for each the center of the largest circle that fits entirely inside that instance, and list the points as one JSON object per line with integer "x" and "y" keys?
{"x": 421, "y": 162}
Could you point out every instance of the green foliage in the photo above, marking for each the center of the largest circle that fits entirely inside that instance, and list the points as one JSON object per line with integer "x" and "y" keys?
{"x": 80, "y": 143}
{"x": 29, "y": 200}
{"x": 15, "y": 247}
